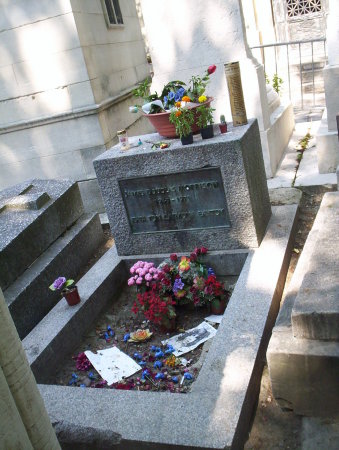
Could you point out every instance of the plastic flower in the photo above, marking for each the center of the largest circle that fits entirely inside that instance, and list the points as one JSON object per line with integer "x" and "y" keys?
{"x": 184, "y": 264}
{"x": 165, "y": 100}
{"x": 202, "y": 98}
{"x": 140, "y": 335}
{"x": 178, "y": 285}
{"x": 59, "y": 282}
{"x": 211, "y": 69}
{"x": 186, "y": 98}
{"x": 173, "y": 257}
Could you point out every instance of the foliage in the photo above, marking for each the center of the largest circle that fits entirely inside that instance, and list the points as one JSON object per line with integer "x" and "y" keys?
{"x": 183, "y": 119}
{"x": 205, "y": 116}
{"x": 276, "y": 83}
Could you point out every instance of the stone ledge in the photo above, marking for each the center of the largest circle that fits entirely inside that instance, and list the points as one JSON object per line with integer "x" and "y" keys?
{"x": 315, "y": 314}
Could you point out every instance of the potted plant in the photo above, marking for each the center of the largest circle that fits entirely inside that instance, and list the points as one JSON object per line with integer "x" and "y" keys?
{"x": 223, "y": 124}
{"x": 68, "y": 291}
{"x": 157, "y": 107}
{"x": 205, "y": 121}
{"x": 183, "y": 119}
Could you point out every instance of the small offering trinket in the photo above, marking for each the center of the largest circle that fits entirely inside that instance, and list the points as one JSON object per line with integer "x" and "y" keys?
{"x": 123, "y": 139}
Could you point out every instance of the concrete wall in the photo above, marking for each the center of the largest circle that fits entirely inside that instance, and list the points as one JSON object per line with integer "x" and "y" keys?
{"x": 65, "y": 82}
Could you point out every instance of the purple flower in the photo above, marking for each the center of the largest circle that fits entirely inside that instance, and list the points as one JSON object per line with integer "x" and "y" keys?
{"x": 178, "y": 285}
{"x": 59, "y": 282}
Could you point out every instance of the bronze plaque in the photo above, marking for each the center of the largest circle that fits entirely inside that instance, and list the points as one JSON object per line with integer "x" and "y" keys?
{"x": 178, "y": 201}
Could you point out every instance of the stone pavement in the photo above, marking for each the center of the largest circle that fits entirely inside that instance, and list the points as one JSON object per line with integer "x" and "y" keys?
{"x": 316, "y": 432}
{"x": 308, "y": 174}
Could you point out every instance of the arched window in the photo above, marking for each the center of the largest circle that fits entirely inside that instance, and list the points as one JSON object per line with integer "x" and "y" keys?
{"x": 297, "y": 8}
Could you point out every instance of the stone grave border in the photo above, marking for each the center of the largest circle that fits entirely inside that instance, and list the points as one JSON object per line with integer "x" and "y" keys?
{"x": 217, "y": 412}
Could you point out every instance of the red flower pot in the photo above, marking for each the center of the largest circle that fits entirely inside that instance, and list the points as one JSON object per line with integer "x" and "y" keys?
{"x": 223, "y": 127}
{"x": 72, "y": 296}
{"x": 165, "y": 128}
{"x": 218, "y": 306}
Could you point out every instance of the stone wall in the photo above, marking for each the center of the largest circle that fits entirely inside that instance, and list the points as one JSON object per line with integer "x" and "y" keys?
{"x": 65, "y": 86}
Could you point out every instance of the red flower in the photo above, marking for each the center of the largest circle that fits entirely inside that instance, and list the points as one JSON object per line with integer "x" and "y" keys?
{"x": 173, "y": 257}
{"x": 203, "y": 250}
{"x": 193, "y": 256}
{"x": 197, "y": 251}
{"x": 211, "y": 69}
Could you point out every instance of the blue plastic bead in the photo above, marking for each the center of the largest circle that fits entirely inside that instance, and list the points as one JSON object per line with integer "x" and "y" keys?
{"x": 74, "y": 375}
{"x": 175, "y": 379}
{"x": 137, "y": 356}
{"x": 126, "y": 337}
{"x": 188, "y": 376}
{"x": 159, "y": 354}
{"x": 82, "y": 385}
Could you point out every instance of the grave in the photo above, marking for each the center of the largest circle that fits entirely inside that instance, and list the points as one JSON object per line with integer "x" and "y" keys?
{"x": 43, "y": 232}
{"x": 246, "y": 238}
{"x": 303, "y": 354}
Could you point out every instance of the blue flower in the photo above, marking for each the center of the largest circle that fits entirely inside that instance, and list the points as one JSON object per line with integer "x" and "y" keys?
{"x": 137, "y": 356}
{"x": 175, "y": 379}
{"x": 171, "y": 95}
{"x": 178, "y": 285}
{"x": 181, "y": 91}
{"x": 159, "y": 354}
{"x": 177, "y": 97}
{"x": 157, "y": 365}
{"x": 154, "y": 348}
{"x": 126, "y": 337}
{"x": 159, "y": 376}
{"x": 210, "y": 271}
{"x": 165, "y": 100}
{"x": 188, "y": 376}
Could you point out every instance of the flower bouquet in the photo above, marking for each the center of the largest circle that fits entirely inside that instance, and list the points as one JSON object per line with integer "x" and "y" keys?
{"x": 176, "y": 281}
{"x": 175, "y": 94}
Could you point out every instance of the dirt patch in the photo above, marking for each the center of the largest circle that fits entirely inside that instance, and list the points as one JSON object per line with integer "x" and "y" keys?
{"x": 110, "y": 330}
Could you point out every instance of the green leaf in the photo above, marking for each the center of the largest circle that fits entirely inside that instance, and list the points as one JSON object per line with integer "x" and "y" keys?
{"x": 52, "y": 288}
{"x": 68, "y": 283}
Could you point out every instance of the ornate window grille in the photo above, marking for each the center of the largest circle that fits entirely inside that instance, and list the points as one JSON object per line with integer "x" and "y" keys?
{"x": 112, "y": 12}
{"x": 296, "y": 8}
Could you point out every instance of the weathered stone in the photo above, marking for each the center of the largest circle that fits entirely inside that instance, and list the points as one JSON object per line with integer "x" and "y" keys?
{"x": 315, "y": 314}
{"x": 212, "y": 193}
{"x": 225, "y": 392}
{"x": 27, "y": 230}
{"x": 29, "y": 298}
{"x": 304, "y": 372}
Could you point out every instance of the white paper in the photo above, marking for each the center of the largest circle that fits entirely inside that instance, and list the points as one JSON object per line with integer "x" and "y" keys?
{"x": 188, "y": 341}
{"x": 112, "y": 364}
{"x": 214, "y": 318}
{"x": 147, "y": 106}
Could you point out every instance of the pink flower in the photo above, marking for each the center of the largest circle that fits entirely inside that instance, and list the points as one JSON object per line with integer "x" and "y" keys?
{"x": 139, "y": 280}
{"x": 211, "y": 69}
{"x": 148, "y": 277}
{"x": 131, "y": 281}
{"x": 132, "y": 270}
{"x": 155, "y": 276}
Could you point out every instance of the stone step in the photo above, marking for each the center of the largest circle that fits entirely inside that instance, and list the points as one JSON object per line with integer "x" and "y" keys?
{"x": 29, "y": 298}
{"x": 304, "y": 373}
{"x": 33, "y": 215}
{"x": 315, "y": 313}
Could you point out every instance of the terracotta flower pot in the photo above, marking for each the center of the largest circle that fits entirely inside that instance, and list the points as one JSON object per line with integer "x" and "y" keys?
{"x": 218, "y": 306}
{"x": 165, "y": 128}
{"x": 207, "y": 132}
{"x": 72, "y": 296}
{"x": 185, "y": 140}
{"x": 223, "y": 127}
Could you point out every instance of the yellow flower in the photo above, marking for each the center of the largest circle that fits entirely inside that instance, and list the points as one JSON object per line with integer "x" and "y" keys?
{"x": 184, "y": 264}
{"x": 140, "y": 335}
{"x": 178, "y": 104}
{"x": 202, "y": 98}
{"x": 178, "y": 113}
{"x": 186, "y": 98}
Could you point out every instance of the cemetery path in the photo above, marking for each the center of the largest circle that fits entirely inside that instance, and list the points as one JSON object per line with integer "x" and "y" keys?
{"x": 274, "y": 429}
